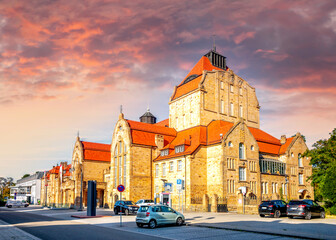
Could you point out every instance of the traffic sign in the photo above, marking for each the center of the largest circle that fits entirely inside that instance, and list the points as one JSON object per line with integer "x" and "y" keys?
{"x": 121, "y": 188}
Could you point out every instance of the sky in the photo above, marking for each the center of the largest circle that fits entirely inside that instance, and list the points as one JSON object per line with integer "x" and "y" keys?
{"x": 67, "y": 66}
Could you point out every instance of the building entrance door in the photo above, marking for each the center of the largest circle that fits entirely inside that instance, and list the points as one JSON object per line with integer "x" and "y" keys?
{"x": 165, "y": 198}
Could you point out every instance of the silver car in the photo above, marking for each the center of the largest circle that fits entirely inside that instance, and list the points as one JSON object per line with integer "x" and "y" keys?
{"x": 155, "y": 215}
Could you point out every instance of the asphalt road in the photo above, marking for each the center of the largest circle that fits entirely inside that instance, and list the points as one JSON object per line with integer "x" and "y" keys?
{"x": 51, "y": 228}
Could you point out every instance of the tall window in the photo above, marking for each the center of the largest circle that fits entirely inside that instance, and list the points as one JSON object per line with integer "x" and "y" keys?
{"x": 222, "y": 106}
{"x": 222, "y": 85}
{"x": 266, "y": 188}
{"x": 300, "y": 160}
{"x": 176, "y": 122}
{"x": 241, "y": 151}
{"x": 242, "y": 174}
{"x": 231, "y": 109}
{"x": 125, "y": 169}
{"x": 120, "y": 164}
{"x": 184, "y": 121}
{"x": 240, "y": 91}
{"x": 231, "y": 88}
{"x": 241, "y": 111}
{"x": 179, "y": 165}
{"x": 300, "y": 178}
{"x": 157, "y": 170}
{"x": 171, "y": 166}
{"x": 163, "y": 169}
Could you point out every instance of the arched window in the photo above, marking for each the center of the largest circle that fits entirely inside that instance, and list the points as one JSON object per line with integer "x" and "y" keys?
{"x": 241, "y": 151}
{"x": 120, "y": 164}
{"x": 300, "y": 160}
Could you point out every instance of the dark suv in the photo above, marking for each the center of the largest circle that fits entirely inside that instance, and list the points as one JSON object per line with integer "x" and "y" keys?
{"x": 304, "y": 208}
{"x": 126, "y": 207}
{"x": 275, "y": 208}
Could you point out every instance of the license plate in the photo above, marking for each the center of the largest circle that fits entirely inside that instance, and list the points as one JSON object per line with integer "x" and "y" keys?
{"x": 294, "y": 208}
{"x": 264, "y": 207}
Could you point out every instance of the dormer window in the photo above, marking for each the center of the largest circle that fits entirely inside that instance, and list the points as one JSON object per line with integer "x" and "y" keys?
{"x": 179, "y": 149}
{"x": 164, "y": 152}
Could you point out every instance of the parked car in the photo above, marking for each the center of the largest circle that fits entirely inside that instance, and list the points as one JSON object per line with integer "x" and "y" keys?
{"x": 126, "y": 207}
{"x": 275, "y": 208}
{"x": 154, "y": 215}
{"x": 144, "y": 202}
{"x": 304, "y": 208}
{"x": 13, "y": 203}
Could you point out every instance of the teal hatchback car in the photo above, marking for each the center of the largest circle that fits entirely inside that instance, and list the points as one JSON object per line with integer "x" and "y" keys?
{"x": 155, "y": 215}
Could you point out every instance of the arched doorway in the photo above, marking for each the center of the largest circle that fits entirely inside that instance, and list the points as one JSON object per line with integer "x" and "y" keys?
{"x": 303, "y": 193}
{"x": 116, "y": 198}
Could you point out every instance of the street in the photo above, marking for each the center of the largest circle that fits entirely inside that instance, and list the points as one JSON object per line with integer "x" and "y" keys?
{"x": 58, "y": 224}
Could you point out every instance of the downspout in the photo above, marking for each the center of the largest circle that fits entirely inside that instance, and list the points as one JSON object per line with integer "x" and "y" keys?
{"x": 151, "y": 173}
{"x": 185, "y": 183}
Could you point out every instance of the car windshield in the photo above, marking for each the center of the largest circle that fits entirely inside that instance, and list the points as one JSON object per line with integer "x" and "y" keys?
{"x": 129, "y": 203}
{"x": 149, "y": 201}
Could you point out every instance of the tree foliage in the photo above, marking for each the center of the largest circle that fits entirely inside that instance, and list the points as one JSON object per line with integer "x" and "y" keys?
{"x": 323, "y": 160}
{"x": 26, "y": 175}
{"x": 5, "y": 183}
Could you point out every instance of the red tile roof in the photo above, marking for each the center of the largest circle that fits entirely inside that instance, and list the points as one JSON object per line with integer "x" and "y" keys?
{"x": 144, "y": 133}
{"x": 215, "y": 128}
{"x": 203, "y": 64}
{"x": 55, "y": 170}
{"x": 284, "y": 147}
{"x": 192, "y": 138}
{"x": 163, "y": 123}
{"x": 97, "y": 151}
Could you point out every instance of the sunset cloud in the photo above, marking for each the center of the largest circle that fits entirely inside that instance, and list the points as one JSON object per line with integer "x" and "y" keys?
{"x": 88, "y": 51}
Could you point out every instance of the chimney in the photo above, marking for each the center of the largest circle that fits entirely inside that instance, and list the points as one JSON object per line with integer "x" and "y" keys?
{"x": 159, "y": 141}
{"x": 283, "y": 139}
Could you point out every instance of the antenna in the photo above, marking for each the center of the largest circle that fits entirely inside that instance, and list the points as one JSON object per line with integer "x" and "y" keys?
{"x": 214, "y": 42}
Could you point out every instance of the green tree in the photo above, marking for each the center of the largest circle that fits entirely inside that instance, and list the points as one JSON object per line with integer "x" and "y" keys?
{"x": 323, "y": 160}
{"x": 26, "y": 175}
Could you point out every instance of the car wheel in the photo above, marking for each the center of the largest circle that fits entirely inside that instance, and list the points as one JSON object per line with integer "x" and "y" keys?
{"x": 152, "y": 224}
{"x": 115, "y": 211}
{"x": 291, "y": 217}
{"x": 139, "y": 225}
{"x": 26, "y": 205}
{"x": 277, "y": 214}
{"x": 322, "y": 214}
{"x": 308, "y": 216}
{"x": 9, "y": 206}
{"x": 262, "y": 215}
{"x": 126, "y": 212}
{"x": 179, "y": 221}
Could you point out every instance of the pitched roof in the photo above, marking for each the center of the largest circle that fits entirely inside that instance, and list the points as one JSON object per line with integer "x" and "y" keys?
{"x": 191, "y": 138}
{"x": 163, "y": 123}
{"x": 216, "y": 128}
{"x": 284, "y": 147}
{"x": 144, "y": 133}
{"x": 97, "y": 151}
{"x": 55, "y": 170}
{"x": 184, "y": 88}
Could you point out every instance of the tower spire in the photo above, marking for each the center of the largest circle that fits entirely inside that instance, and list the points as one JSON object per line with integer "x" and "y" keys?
{"x": 121, "y": 109}
{"x": 214, "y": 42}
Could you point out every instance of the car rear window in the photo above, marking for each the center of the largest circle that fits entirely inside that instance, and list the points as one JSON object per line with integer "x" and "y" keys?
{"x": 149, "y": 201}
{"x": 143, "y": 209}
{"x": 296, "y": 202}
{"x": 267, "y": 203}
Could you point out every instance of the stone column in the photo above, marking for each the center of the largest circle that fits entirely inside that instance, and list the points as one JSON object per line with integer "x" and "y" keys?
{"x": 214, "y": 203}
{"x": 205, "y": 202}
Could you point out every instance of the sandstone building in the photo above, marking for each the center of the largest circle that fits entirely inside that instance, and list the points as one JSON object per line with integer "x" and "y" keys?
{"x": 211, "y": 142}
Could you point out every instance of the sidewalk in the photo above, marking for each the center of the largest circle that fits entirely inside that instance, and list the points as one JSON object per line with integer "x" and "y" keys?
{"x": 9, "y": 232}
{"x": 313, "y": 229}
